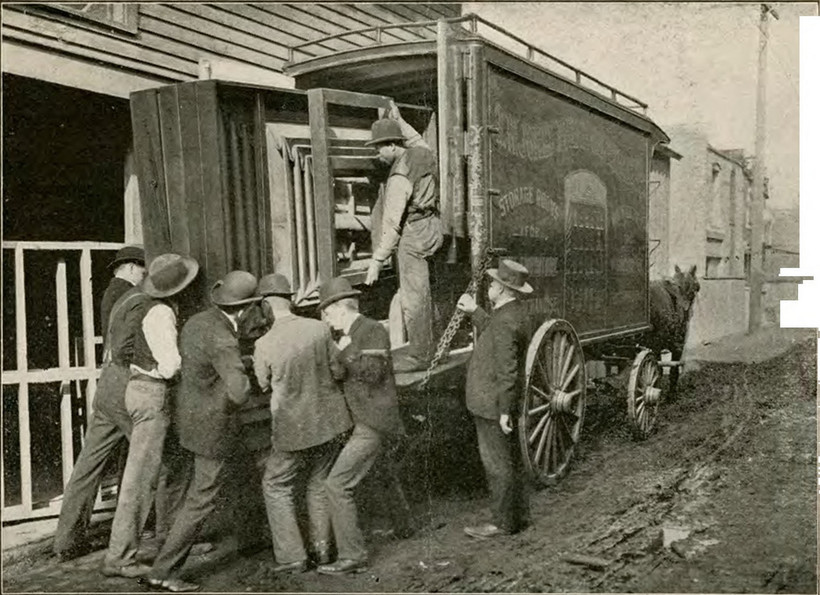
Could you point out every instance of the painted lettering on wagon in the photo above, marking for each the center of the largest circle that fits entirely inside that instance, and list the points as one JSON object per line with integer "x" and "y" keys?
{"x": 526, "y": 140}
{"x": 527, "y": 195}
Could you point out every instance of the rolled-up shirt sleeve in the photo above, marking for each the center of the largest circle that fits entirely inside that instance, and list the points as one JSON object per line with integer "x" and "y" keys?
{"x": 160, "y": 328}
{"x": 396, "y": 196}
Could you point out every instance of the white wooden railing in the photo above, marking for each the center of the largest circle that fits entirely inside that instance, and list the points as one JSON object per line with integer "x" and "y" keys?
{"x": 65, "y": 373}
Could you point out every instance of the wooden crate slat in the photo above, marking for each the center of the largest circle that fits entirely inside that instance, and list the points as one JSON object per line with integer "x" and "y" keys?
{"x": 150, "y": 172}
{"x": 173, "y": 165}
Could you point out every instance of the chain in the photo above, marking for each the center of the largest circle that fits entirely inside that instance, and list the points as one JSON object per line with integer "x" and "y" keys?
{"x": 443, "y": 347}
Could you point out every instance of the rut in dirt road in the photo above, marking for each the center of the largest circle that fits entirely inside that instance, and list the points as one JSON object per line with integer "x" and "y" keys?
{"x": 646, "y": 513}
{"x": 721, "y": 498}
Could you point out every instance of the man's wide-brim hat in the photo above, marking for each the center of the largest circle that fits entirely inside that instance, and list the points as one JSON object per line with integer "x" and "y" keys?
{"x": 128, "y": 254}
{"x": 334, "y": 290}
{"x": 384, "y": 131}
{"x": 275, "y": 284}
{"x": 511, "y": 274}
{"x": 168, "y": 274}
{"x": 237, "y": 288}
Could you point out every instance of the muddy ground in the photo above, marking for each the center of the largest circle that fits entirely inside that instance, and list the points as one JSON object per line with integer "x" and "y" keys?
{"x": 721, "y": 498}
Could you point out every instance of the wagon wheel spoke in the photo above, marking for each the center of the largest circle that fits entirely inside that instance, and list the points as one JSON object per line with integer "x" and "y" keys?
{"x": 568, "y": 430}
{"x": 549, "y": 434}
{"x": 542, "y": 441}
{"x": 544, "y": 374}
{"x": 539, "y": 409}
{"x": 566, "y": 364}
{"x": 570, "y": 377}
{"x": 558, "y": 360}
{"x": 540, "y": 393}
{"x": 538, "y": 427}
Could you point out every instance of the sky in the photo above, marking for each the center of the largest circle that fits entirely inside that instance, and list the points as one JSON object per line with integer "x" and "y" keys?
{"x": 695, "y": 64}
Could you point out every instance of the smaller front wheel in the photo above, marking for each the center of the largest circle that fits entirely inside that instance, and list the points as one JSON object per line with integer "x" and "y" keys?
{"x": 644, "y": 393}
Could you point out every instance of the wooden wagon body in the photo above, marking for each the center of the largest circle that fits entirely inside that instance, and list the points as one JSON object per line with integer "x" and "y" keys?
{"x": 538, "y": 162}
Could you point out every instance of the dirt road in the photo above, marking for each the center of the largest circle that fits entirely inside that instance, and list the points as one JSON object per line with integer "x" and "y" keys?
{"x": 720, "y": 499}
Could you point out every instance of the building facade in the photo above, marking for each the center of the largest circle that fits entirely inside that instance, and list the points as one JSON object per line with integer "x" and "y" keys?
{"x": 70, "y": 193}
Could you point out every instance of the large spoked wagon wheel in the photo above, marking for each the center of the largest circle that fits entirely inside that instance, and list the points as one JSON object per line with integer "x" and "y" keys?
{"x": 643, "y": 395}
{"x": 552, "y": 412}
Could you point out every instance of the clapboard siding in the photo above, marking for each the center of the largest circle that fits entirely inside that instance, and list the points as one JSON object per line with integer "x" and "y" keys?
{"x": 172, "y": 38}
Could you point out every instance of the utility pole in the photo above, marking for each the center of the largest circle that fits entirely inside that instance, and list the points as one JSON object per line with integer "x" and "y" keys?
{"x": 758, "y": 175}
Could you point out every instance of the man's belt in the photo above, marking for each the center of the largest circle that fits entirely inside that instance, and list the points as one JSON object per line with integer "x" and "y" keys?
{"x": 419, "y": 215}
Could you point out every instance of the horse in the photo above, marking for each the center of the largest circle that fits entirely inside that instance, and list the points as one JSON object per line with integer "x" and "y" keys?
{"x": 670, "y": 309}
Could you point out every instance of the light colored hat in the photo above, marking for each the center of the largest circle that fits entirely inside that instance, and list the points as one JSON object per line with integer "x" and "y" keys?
{"x": 235, "y": 289}
{"x": 334, "y": 290}
{"x": 168, "y": 274}
{"x": 511, "y": 274}
{"x": 384, "y": 130}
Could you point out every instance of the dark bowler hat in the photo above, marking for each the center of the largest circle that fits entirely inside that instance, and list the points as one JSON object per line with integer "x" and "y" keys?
{"x": 235, "y": 289}
{"x": 384, "y": 130}
{"x": 274, "y": 284}
{"x": 128, "y": 254}
{"x": 511, "y": 274}
{"x": 334, "y": 290}
{"x": 168, "y": 274}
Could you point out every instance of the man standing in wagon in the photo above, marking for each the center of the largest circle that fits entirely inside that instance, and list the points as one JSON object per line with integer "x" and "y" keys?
{"x": 410, "y": 225}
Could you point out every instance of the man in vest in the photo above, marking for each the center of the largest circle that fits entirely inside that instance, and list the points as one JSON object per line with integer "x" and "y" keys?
{"x": 410, "y": 226}
{"x": 129, "y": 271}
{"x": 213, "y": 385}
{"x": 155, "y": 363}
{"x": 493, "y": 387}
{"x": 110, "y": 424}
{"x": 297, "y": 361}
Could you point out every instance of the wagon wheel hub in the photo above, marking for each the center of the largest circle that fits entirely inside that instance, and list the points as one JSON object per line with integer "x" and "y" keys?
{"x": 564, "y": 402}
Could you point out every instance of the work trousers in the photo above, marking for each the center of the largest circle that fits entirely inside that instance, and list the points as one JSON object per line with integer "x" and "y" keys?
{"x": 419, "y": 241}
{"x": 283, "y": 470}
{"x": 353, "y": 463}
{"x": 506, "y": 476}
{"x": 146, "y": 403}
{"x": 200, "y": 501}
{"x": 108, "y": 428}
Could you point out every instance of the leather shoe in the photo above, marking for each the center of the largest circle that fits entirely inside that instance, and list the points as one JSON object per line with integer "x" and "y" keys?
{"x": 174, "y": 585}
{"x": 343, "y": 567}
{"x": 291, "y": 567}
{"x": 487, "y": 531}
{"x": 129, "y": 571}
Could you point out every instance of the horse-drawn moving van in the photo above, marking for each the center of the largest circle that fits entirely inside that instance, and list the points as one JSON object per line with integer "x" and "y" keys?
{"x": 538, "y": 162}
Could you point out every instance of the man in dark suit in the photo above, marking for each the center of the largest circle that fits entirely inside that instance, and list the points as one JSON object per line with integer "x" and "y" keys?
{"x": 212, "y": 387}
{"x": 129, "y": 270}
{"x": 296, "y": 360}
{"x": 494, "y": 380}
{"x": 370, "y": 392}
